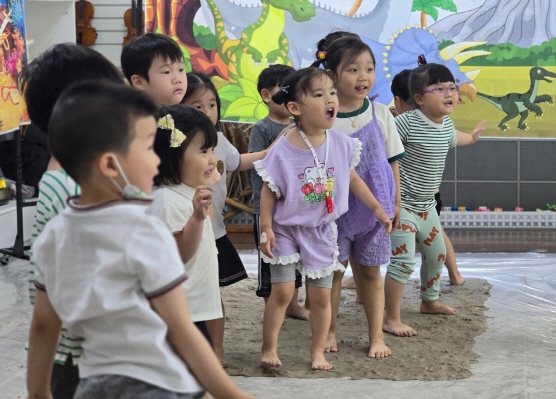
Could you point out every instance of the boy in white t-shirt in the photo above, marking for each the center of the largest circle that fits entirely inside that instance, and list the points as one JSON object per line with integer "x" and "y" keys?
{"x": 108, "y": 271}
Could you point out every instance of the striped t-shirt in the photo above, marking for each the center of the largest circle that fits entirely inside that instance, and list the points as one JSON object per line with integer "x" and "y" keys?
{"x": 426, "y": 144}
{"x": 55, "y": 188}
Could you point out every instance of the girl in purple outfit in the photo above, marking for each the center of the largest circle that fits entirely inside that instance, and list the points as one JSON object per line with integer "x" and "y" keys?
{"x": 361, "y": 237}
{"x": 308, "y": 175}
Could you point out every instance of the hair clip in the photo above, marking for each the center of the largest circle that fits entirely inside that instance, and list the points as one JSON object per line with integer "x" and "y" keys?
{"x": 421, "y": 60}
{"x": 284, "y": 89}
{"x": 177, "y": 137}
{"x": 321, "y": 55}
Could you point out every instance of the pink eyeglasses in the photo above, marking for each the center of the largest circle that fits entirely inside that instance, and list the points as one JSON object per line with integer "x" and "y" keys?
{"x": 442, "y": 90}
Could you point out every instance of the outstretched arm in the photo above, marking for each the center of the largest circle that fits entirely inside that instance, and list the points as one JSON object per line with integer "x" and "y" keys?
{"x": 268, "y": 201}
{"x": 471, "y": 138}
{"x": 358, "y": 188}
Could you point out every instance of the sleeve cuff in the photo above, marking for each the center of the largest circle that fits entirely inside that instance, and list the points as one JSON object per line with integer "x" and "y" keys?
{"x": 261, "y": 171}
{"x": 396, "y": 157}
{"x": 168, "y": 287}
{"x": 39, "y": 286}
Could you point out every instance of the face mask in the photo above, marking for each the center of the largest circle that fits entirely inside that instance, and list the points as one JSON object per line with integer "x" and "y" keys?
{"x": 129, "y": 191}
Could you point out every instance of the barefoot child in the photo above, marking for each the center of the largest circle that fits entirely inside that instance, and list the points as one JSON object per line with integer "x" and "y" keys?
{"x": 427, "y": 134}
{"x": 308, "y": 175}
{"x": 361, "y": 236}
{"x": 106, "y": 270}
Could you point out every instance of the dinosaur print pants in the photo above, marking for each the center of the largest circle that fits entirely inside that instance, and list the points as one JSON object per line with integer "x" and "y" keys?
{"x": 422, "y": 231}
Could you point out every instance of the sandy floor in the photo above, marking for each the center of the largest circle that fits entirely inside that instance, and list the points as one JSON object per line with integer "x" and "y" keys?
{"x": 429, "y": 356}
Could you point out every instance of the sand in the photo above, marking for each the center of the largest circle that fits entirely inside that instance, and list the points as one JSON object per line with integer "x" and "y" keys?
{"x": 443, "y": 350}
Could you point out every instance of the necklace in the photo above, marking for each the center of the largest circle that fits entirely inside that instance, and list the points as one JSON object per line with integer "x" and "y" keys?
{"x": 353, "y": 121}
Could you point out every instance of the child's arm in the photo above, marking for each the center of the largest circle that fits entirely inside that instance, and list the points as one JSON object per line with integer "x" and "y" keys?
{"x": 396, "y": 171}
{"x": 358, "y": 188}
{"x": 189, "y": 238}
{"x": 471, "y": 138}
{"x": 268, "y": 200}
{"x": 192, "y": 347}
{"x": 44, "y": 335}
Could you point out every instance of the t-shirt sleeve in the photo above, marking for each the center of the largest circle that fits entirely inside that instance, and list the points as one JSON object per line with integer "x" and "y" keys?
{"x": 257, "y": 139}
{"x": 153, "y": 255}
{"x": 170, "y": 212}
{"x": 232, "y": 157}
{"x": 356, "y": 157}
{"x": 402, "y": 126}
{"x": 454, "y": 138}
{"x": 43, "y": 255}
{"x": 270, "y": 170}
{"x": 393, "y": 143}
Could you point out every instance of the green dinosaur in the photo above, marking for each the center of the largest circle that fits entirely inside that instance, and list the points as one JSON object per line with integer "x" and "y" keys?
{"x": 514, "y": 104}
{"x": 262, "y": 43}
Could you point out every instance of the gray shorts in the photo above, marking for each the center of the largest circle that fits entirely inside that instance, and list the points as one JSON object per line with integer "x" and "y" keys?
{"x": 286, "y": 273}
{"x": 111, "y": 386}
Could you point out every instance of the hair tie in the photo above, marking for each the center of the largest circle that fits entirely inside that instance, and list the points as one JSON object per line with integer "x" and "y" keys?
{"x": 421, "y": 60}
{"x": 284, "y": 89}
{"x": 177, "y": 137}
{"x": 321, "y": 55}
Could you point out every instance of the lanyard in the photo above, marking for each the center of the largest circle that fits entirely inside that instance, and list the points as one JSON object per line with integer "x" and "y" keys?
{"x": 321, "y": 169}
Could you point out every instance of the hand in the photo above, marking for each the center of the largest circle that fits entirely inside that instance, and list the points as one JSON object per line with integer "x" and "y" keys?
{"x": 267, "y": 243}
{"x": 393, "y": 111}
{"x": 384, "y": 220}
{"x": 202, "y": 199}
{"x": 475, "y": 133}
{"x": 396, "y": 218}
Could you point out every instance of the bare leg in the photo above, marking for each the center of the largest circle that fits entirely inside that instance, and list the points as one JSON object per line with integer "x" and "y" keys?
{"x": 295, "y": 310}
{"x": 451, "y": 262}
{"x": 357, "y": 279}
{"x": 331, "y": 344}
{"x": 320, "y": 322}
{"x": 372, "y": 295}
{"x": 274, "y": 313}
{"x": 216, "y": 330}
{"x": 393, "y": 298}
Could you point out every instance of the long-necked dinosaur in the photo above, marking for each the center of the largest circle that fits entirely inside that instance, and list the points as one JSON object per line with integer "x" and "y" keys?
{"x": 514, "y": 104}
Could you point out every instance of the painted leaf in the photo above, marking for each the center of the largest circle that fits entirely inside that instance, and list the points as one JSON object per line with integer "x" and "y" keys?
{"x": 243, "y": 107}
{"x": 261, "y": 111}
{"x": 448, "y": 5}
{"x": 230, "y": 92}
{"x": 433, "y": 12}
{"x": 249, "y": 88}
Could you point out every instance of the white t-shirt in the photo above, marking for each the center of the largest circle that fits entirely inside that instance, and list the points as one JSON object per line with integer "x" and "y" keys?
{"x": 364, "y": 115}
{"x": 228, "y": 160}
{"x": 99, "y": 266}
{"x": 174, "y": 206}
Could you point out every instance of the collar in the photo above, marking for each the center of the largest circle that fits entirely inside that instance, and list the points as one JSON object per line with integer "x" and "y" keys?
{"x": 73, "y": 203}
{"x": 351, "y": 114}
{"x": 428, "y": 121}
{"x": 182, "y": 189}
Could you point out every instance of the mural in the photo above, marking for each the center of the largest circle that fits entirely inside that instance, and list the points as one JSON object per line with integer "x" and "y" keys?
{"x": 13, "y": 57}
{"x": 501, "y": 52}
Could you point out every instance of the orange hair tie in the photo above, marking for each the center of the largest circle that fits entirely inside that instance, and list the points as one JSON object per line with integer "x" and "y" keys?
{"x": 321, "y": 55}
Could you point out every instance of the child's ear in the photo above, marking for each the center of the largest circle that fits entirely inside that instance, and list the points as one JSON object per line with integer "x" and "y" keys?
{"x": 418, "y": 99}
{"x": 266, "y": 96}
{"x": 137, "y": 82}
{"x": 107, "y": 165}
{"x": 293, "y": 107}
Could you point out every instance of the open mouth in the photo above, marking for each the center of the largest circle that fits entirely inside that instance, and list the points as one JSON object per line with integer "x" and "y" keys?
{"x": 449, "y": 103}
{"x": 361, "y": 88}
{"x": 330, "y": 113}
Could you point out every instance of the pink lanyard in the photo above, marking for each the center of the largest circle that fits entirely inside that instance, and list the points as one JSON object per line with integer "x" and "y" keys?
{"x": 321, "y": 169}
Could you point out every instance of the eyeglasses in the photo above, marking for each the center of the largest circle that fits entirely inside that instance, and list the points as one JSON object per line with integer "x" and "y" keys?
{"x": 442, "y": 90}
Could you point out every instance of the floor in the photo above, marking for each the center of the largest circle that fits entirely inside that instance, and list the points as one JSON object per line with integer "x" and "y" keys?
{"x": 517, "y": 351}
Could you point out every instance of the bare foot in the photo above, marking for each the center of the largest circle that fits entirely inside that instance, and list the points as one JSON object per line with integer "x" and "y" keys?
{"x": 318, "y": 362}
{"x": 297, "y": 312}
{"x": 398, "y": 328}
{"x": 358, "y": 298}
{"x": 349, "y": 283}
{"x": 331, "y": 345}
{"x": 269, "y": 359}
{"x": 437, "y": 307}
{"x": 457, "y": 280}
{"x": 378, "y": 348}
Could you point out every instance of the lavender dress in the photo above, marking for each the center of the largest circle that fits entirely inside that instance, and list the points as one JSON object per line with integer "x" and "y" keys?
{"x": 305, "y": 232}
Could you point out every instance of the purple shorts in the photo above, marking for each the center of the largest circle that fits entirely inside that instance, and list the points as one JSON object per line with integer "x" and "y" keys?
{"x": 368, "y": 249}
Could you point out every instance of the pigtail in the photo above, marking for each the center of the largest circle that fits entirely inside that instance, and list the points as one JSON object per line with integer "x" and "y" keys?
{"x": 280, "y": 96}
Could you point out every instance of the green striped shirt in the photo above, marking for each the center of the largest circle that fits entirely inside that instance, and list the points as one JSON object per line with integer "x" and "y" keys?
{"x": 426, "y": 145}
{"x": 55, "y": 188}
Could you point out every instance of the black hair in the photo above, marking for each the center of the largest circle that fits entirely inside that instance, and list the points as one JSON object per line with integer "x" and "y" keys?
{"x": 191, "y": 123}
{"x": 325, "y": 42}
{"x": 426, "y": 75}
{"x": 139, "y": 54}
{"x": 48, "y": 75}
{"x": 273, "y": 76}
{"x": 344, "y": 51}
{"x": 197, "y": 81}
{"x": 81, "y": 128}
{"x": 400, "y": 86}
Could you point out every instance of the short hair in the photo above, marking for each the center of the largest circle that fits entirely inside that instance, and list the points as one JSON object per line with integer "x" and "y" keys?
{"x": 94, "y": 117}
{"x": 48, "y": 75}
{"x": 139, "y": 54}
{"x": 191, "y": 123}
{"x": 273, "y": 76}
{"x": 325, "y": 42}
{"x": 197, "y": 81}
{"x": 344, "y": 51}
{"x": 426, "y": 75}
{"x": 400, "y": 86}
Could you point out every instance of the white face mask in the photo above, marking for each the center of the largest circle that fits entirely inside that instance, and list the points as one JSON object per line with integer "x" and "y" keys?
{"x": 129, "y": 191}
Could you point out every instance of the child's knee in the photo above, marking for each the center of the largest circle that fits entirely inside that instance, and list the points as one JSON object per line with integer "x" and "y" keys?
{"x": 400, "y": 271}
{"x": 282, "y": 293}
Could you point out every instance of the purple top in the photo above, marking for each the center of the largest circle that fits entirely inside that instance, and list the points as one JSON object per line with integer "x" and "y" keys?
{"x": 292, "y": 175}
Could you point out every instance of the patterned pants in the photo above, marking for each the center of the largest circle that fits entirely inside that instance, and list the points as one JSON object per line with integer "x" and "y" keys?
{"x": 421, "y": 230}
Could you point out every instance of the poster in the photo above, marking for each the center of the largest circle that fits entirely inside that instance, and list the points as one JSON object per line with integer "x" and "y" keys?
{"x": 502, "y": 53}
{"x": 13, "y": 58}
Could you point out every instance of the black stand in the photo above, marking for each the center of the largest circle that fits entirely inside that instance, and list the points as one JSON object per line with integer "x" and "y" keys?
{"x": 19, "y": 248}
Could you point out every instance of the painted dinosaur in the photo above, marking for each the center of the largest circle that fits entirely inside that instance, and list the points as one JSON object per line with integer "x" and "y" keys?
{"x": 514, "y": 104}
{"x": 262, "y": 43}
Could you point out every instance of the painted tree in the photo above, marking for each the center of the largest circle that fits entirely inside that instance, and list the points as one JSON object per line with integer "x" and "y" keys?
{"x": 429, "y": 7}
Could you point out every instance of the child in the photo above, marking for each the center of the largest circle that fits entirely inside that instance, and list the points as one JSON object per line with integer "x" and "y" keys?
{"x": 322, "y": 45}
{"x": 202, "y": 95}
{"x": 306, "y": 190}
{"x": 154, "y": 63}
{"x": 262, "y": 135}
{"x": 69, "y": 63}
{"x": 427, "y": 133}
{"x": 361, "y": 237}
{"x": 403, "y": 103}
{"x": 109, "y": 272}
{"x": 185, "y": 143}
